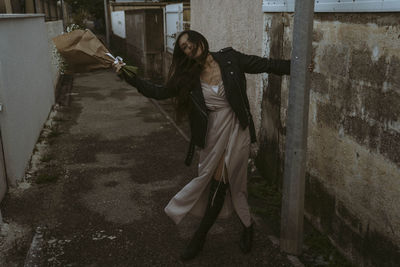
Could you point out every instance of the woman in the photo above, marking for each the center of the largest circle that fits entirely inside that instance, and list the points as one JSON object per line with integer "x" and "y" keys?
{"x": 210, "y": 88}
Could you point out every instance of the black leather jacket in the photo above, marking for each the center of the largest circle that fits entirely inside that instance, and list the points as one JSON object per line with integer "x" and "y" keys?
{"x": 233, "y": 65}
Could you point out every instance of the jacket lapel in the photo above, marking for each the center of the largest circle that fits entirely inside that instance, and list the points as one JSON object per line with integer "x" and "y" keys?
{"x": 219, "y": 60}
{"x": 197, "y": 93}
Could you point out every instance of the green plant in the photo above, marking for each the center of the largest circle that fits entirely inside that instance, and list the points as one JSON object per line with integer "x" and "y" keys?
{"x": 45, "y": 178}
{"x": 47, "y": 158}
{"x": 59, "y": 119}
{"x": 54, "y": 133}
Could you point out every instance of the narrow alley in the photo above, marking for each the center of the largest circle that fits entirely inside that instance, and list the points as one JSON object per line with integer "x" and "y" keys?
{"x": 113, "y": 162}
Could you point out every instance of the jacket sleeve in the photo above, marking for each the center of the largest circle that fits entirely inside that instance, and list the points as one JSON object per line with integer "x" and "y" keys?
{"x": 149, "y": 89}
{"x": 256, "y": 64}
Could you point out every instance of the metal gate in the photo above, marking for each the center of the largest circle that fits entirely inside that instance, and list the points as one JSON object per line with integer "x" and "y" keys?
{"x": 173, "y": 24}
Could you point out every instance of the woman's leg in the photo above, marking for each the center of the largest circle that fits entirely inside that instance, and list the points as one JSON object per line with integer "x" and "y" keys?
{"x": 216, "y": 200}
{"x": 221, "y": 173}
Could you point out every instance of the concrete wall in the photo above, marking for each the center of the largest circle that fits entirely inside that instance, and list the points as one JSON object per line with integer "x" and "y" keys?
{"x": 54, "y": 28}
{"x": 233, "y": 23}
{"x": 353, "y": 166}
{"x": 26, "y": 88}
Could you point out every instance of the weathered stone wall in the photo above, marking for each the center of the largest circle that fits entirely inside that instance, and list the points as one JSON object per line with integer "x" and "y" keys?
{"x": 353, "y": 165}
{"x": 233, "y": 23}
{"x": 269, "y": 160}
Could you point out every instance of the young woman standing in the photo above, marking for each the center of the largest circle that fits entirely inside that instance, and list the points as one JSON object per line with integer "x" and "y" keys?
{"x": 210, "y": 88}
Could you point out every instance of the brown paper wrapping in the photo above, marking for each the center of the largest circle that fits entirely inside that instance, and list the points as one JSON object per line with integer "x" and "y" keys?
{"x": 82, "y": 51}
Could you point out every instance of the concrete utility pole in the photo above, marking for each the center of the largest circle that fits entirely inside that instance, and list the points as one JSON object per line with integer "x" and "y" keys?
{"x": 106, "y": 21}
{"x": 296, "y": 133}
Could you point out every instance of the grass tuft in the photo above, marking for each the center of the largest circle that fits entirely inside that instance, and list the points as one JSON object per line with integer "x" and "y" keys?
{"x": 54, "y": 133}
{"x": 47, "y": 158}
{"x": 46, "y": 178}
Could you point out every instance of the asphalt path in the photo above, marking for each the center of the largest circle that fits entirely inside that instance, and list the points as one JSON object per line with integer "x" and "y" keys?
{"x": 113, "y": 162}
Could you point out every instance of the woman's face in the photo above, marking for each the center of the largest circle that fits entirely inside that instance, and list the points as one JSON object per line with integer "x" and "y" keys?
{"x": 188, "y": 47}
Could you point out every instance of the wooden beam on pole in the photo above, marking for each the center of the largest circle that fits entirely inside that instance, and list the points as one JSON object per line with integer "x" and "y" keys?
{"x": 296, "y": 130}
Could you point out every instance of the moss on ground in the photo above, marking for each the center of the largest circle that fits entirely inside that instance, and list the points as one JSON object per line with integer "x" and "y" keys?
{"x": 54, "y": 133}
{"x": 47, "y": 157}
{"x": 46, "y": 178}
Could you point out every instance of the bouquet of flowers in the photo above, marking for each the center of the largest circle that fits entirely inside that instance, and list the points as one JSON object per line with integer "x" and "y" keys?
{"x": 83, "y": 52}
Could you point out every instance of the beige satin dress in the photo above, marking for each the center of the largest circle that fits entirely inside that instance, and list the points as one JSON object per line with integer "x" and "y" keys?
{"x": 225, "y": 138}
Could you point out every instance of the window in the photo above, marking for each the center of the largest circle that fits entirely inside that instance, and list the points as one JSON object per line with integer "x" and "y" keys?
{"x": 336, "y": 5}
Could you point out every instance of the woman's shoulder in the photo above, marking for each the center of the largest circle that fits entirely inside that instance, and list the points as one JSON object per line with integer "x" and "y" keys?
{"x": 226, "y": 49}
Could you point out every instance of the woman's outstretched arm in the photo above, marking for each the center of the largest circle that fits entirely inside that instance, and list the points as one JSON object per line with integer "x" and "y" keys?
{"x": 149, "y": 89}
{"x": 255, "y": 64}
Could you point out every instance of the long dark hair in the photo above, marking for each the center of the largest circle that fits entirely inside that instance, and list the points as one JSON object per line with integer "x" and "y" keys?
{"x": 185, "y": 71}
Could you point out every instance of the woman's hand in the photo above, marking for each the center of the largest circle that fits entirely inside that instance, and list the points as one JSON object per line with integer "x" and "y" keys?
{"x": 117, "y": 66}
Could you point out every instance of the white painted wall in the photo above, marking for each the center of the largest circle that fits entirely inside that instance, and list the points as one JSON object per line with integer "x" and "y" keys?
{"x": 118, "y": 23}
{"x": 26, "y": 88}
{"x": 173, "y": 24}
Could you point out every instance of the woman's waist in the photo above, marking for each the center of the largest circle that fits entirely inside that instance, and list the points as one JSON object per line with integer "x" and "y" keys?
{"x": 218, "y": 108}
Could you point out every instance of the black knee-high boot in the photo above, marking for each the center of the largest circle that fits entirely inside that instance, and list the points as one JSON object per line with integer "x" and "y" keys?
{"x": 246, "y": 239}
{"x": 216, "y": 200}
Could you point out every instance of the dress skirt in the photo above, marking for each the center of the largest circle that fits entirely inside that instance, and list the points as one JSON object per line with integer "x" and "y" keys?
{"x": 225, "y": 138}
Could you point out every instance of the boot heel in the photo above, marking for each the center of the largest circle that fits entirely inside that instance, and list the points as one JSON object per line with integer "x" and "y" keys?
{"x": 246, "y": 240}
{"x": 194, "y": 247}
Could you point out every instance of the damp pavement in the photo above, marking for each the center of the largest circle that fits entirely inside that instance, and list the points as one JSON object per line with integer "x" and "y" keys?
{"x": 112, "y": 162}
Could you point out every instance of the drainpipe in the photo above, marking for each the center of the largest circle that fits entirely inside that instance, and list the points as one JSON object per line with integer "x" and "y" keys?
{"x": 106, "y": 21}
{"x": 3, "y": 191}
{"x": 296, "y": 134}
